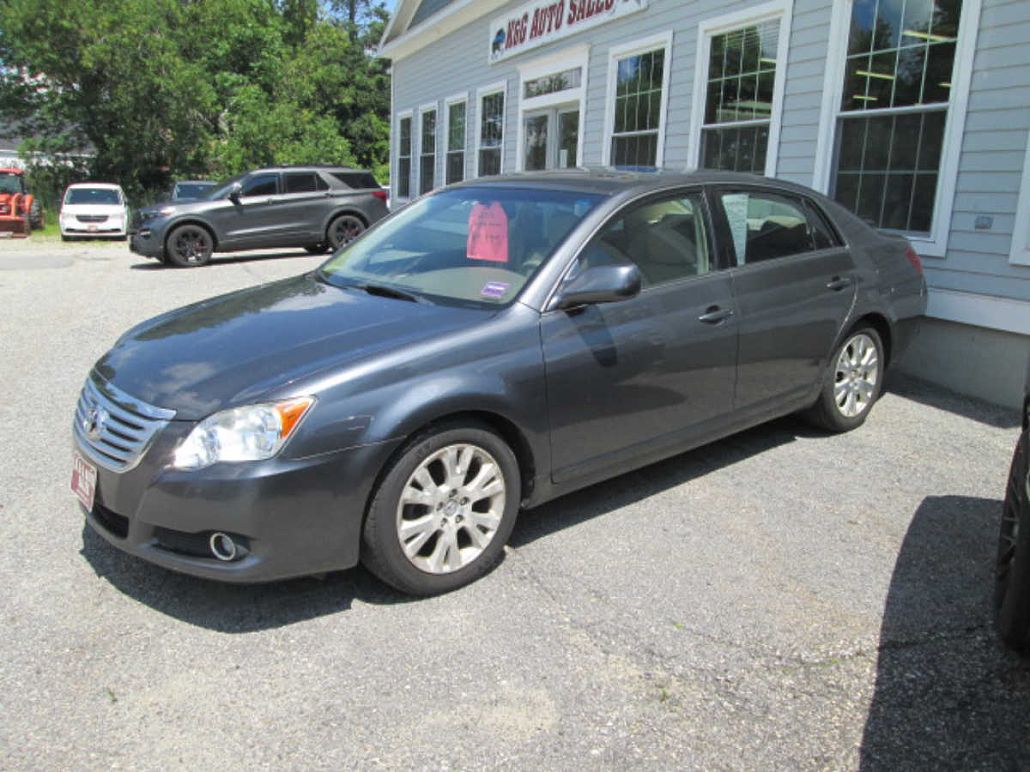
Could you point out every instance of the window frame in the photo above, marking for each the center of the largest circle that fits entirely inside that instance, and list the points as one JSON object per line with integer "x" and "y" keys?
{"x": 431, "y": 107}
{"x": 935, "y": 244}
{"x": 448, "y": 103}
{"x": 285, "y": 177}
{"x": 278, "y": 185}
{"x": 395, "y": 178}
{"x": 500, "y": 87}
{"x": 567, "y": 59}
{"x": 618, "y": 53}
{"x": 1019, "y": 254}
{"x": 782, "y": 10}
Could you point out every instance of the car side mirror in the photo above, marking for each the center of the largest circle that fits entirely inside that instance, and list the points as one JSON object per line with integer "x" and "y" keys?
{"x": 601, "y": 284}
{"x": 234, "y": 192}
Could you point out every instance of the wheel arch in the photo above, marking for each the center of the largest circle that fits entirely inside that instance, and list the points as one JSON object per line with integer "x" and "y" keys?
{"x": 354, "y": 212}
{"x": 880, "y": 323}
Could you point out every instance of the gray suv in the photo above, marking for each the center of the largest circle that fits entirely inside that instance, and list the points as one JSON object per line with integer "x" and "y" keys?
{"x": 315, "y": 207}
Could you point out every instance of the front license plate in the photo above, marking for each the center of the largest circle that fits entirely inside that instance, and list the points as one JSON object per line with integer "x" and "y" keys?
{"x": 84, "y": 480}
{"x": 92, "y": 228}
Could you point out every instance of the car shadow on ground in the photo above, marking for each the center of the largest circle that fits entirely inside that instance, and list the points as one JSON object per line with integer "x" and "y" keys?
{"x": 948, "y": 695}
{"x": 232, "y": 258}
{"x": 937, "y": 397}
{"x": 232, "y": 608}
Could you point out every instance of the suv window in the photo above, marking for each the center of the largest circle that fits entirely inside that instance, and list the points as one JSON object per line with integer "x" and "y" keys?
{"x": 303, "y": 182}
{"x": 356, "y": 180}
{"x": 666, "y": 239}
{"x": 767, "y": 226}
{"x": 261, "y": 185}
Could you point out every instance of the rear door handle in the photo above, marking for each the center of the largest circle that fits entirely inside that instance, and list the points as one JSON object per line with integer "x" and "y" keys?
{"x": 837, "y": 283}
{"x": 714, "y": 315}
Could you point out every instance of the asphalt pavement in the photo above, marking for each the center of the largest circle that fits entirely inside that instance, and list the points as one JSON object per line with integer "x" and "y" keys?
{"x": 781, "y": 599}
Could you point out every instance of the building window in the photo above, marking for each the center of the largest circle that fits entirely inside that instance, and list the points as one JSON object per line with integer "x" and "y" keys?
{"x": 893, "y": 110}
{"x": 553, "y": 84}
{"x": 455, "y": 164}
{"x": 491, "y": 133}
{"x": 638, "y": 109}
{"x": 738, "y": 106}
{"x": 404, "y": 157}
{"x": 427, "y": 152}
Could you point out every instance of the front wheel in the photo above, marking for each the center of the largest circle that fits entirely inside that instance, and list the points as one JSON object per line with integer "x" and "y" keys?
{"x": 189, "y": 246}
{"x": 1012, "y": 569}
{"x": 444, "y": 510}
{"x": 853, "y": 383}
{"x": 344, "y": 229}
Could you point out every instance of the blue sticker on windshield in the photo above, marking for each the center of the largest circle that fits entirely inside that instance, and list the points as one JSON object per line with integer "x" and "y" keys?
{"x": 494, "y": 289}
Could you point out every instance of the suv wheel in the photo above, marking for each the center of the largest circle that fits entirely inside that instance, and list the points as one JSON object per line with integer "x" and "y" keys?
{"x": 189, "y": 246}
{"x": 344, "y": 229}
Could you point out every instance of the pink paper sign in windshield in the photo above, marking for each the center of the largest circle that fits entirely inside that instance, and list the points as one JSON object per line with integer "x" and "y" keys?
{"x": 488, "y": 233}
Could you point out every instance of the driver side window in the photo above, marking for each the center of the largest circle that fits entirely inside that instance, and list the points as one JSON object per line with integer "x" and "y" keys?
{"x": 261, "y": 185}
{"x": 666, "y": 238}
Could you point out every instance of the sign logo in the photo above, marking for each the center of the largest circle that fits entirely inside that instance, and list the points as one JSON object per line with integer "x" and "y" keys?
{"x": 93, "y": 423}
{"x": 544, "y": 21}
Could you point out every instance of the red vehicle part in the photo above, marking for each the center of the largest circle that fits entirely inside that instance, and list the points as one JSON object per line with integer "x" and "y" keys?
{"x": 15, "y": 208}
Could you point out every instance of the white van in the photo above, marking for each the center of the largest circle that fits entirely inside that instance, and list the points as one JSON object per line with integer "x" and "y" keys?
{"x": 92, "y": 210}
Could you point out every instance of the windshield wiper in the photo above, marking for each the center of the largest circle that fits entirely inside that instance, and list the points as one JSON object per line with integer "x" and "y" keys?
{"x": 387, "y": 292}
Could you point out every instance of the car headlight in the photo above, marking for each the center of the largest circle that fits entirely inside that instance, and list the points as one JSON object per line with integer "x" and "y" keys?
{"x": 251, "y": 433}
{"x": 166, "y": 210}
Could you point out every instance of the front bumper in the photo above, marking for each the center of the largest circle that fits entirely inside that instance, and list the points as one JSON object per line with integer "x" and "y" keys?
{"x": 294, "y": 517}
{"x": 147, "y": 242}
{"x": 93, "y": 230}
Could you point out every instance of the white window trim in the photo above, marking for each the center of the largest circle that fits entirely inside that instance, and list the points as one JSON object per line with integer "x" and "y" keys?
{"x": 1020, "y": 253}
{"x": 422, "y": 110}
{"x": 936, "y": 244}
{"x": 501, "y": 87}
{"x": 454, "y": 100}
{"x": 567, "y": 59}
{"x": 709, "y": 28}
{"x": 615, "y": 53}
{"x": 397, "y": 155}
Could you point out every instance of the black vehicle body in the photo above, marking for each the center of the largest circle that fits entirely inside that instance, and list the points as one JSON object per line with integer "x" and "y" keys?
{"x": 580, "y": 394}
{"x": 1012, "y": 571}
{"x": 274, "y": 207}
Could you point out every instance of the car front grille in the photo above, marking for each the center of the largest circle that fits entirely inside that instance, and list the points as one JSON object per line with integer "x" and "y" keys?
{"x": 91, "y": 217}
{"x": 115, "y": 428}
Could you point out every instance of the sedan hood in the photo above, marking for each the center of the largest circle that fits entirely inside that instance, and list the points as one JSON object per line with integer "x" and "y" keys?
{"x": 248, "y": 345}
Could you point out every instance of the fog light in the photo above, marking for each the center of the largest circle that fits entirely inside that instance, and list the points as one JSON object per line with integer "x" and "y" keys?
{"x": 223, "y": 547}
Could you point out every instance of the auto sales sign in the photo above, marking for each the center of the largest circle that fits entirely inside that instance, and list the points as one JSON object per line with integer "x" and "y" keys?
{"x": 544, "y": 21}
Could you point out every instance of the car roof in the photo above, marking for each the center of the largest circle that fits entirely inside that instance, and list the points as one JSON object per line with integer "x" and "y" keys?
{"x": 196, "y": 182}
{"x": 607, "y": 181}
{"x": 106, "y": 185}
{"x": 308, "y": 168}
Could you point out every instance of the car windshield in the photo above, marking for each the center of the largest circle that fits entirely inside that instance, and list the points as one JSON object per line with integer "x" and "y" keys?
{"x": 193, "y": 189}
{"x": 470, "y": 245}
{"x": 10, "y": 183}
{"x": 106, "y": 196}
{"x": 221, "y": 190}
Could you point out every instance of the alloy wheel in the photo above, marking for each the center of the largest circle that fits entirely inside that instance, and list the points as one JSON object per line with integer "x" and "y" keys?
{"x": 192, "y": 245}
{"x": 345, "y": 229}
{"x": 450, "y": 508}
{"x": 856, "y": 375}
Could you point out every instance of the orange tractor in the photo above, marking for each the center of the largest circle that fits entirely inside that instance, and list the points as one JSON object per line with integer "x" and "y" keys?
{"x": 19, "y": 210}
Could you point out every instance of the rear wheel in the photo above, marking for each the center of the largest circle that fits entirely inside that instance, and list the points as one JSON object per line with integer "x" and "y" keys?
{"x": 189, "y": 246}
{"x": 444, "y": 510}
{"x": 853, "y": 382}
{"x": 1012, "y": 569}
{"x": 344, "y": 229}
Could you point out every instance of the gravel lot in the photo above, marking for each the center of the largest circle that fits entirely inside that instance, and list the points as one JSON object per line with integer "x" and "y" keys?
{"x": 781, "y": 599}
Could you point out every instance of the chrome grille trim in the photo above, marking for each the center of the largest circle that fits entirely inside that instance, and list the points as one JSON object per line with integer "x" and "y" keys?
{"x": 91, "y": 217}
{"x": 128, "y": 430}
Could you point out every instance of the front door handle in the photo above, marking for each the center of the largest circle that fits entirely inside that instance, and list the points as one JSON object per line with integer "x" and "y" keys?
{"x": 837, "y": 283}
{"x": 715, "y": 314}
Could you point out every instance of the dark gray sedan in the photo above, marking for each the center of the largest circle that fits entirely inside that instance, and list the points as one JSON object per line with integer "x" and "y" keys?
{"x": 316, "y": 208}
{"x": 487, "y": 348}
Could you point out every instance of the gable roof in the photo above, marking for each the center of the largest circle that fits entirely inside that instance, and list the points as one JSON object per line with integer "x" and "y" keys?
{"x": 416, "y": 23}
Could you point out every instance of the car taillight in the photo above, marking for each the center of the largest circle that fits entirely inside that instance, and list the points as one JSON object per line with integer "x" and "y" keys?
{"x": 380, "y": 194}
{"x": 913, "y": 258}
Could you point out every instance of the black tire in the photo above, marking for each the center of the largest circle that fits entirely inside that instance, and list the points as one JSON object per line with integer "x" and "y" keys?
{"x": 1012, "y": 568}
{"x": 189, "y": 246}
{"x": 343, "y": 230}
{"x": 837, "y": 414}
{"x": 382, "y": 552}
{"x": 65, "y": 238}
{"x": 317, "y": 249}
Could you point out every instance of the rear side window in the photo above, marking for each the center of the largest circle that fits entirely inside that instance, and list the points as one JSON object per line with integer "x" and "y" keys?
{"x": 303, "y": 182}
{"x": 356, "y": 180}
{"x": 767, "y": 226}
{"x": 261, "y": 185}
